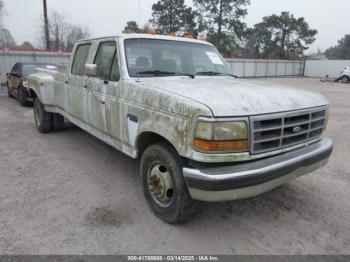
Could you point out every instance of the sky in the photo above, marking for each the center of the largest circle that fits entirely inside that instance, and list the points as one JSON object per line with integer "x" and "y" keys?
{"x": 108, "y": 17}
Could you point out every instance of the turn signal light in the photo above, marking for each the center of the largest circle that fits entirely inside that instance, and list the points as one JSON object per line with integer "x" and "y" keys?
{"x": 221, "y": 146}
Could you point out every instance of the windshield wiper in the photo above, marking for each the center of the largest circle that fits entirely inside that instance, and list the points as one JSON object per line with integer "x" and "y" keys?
{"x": 155, "y": 72}
{"x": 213, "y": 73}
{"x": 159, "y": 72}
{"x": 189, "y": 75}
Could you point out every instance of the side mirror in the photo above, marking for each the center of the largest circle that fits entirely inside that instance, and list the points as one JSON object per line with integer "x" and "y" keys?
{"x": 90, "y": 70}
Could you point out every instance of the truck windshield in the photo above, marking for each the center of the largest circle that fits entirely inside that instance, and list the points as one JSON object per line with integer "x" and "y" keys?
{"x": 161, "y": 58}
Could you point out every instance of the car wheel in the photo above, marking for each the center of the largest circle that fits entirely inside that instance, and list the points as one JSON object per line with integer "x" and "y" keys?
{"x": 345, "y": 79}
{"x": 163, "y": 184}
{"x": 43, "y": 119}
{"x": 9, "y": 92}
{"x": 57, "y": 122}
{"x": 22, "y": 98}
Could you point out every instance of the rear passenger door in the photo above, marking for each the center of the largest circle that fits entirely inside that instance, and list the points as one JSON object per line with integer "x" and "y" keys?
{"x": 104, "y": 102}
{"x": 77, "y": 93}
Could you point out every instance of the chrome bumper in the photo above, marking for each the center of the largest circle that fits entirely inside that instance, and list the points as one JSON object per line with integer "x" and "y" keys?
{"x": 250, "y": 179}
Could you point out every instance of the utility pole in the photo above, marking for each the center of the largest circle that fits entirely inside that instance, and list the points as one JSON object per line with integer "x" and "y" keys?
{"x": 46, "y": 21}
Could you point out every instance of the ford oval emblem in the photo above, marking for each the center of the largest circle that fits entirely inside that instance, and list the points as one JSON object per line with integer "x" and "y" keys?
{"x": 297, "y": 129}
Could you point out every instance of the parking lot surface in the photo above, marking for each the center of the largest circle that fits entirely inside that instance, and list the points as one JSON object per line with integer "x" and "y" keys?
{"x": 69, "y": 193}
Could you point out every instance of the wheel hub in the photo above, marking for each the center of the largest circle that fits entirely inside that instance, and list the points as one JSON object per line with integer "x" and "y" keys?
{"x": 160, "y": 185}
{"x": 37, "y": 112}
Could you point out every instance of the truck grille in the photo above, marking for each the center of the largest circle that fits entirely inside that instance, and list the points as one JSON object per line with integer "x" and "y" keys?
{"x": 278, "y": 131}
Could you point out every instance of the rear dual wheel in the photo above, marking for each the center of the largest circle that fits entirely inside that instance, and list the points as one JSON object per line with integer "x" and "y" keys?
{"x": 22, "y": 98}
{"x": 46, "y": 121}
{"x": 345, "y": 79}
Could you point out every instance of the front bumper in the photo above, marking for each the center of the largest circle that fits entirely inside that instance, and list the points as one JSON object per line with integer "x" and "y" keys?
{"x": 250, "y": 179}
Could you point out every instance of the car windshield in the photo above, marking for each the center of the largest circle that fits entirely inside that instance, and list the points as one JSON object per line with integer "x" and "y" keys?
{"x": 160, "y": 58}
{"x": 30, "y": 68}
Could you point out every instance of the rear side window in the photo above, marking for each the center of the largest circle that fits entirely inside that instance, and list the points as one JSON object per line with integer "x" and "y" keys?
{"x": 80, "y": 59}
{"x": 104, "y": 59}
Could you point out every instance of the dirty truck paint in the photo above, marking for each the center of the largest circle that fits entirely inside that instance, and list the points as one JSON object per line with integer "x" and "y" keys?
{"x": 167, "y": 107}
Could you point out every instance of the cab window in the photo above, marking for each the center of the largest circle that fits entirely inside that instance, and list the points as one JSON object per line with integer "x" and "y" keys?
{"x": 105, "y": 58}
{"x": 80, "y": 59}
{"x": 115, "y": 75}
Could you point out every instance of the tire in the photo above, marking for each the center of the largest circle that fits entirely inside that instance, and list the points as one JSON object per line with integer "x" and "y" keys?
{"x": 161, "y": 173}
{"x": 22, "y": 98}
{"x": 8, "y": 91}
{"x": 43, "y": 119}
{"x": 57, "y": 122}
{"x": 344, "y": 79}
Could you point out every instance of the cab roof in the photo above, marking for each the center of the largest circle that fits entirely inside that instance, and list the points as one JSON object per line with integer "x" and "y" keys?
{"x": 148, "y": 36}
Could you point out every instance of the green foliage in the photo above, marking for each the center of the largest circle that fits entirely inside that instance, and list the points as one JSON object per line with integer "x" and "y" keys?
{"x": 173, "y": 16}
{"x": 221, "y": 21}
{"x": 132, "y": 25}
{"x": 6, "y": 38}
{"x": 341, "y": 51}
{"x": 281, "y": 36}
{"x": 27, "y": 45}
{"x": 258, "y": 39}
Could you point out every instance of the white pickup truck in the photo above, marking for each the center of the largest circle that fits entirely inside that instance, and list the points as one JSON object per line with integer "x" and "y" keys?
{"x": 198, "y": 132}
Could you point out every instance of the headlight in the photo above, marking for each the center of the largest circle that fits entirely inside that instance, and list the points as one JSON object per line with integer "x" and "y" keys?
{"x": 220, "y": 137}
{"x": 25, "y": 84}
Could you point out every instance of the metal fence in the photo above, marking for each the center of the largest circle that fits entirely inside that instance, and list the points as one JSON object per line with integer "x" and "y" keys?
{"x": 321, "y": 68}
{"x": 267, "y": 68}
{"x": 242, "y": 67}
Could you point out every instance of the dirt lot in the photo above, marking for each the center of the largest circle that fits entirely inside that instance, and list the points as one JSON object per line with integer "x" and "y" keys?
{"x": 69, "y": 193}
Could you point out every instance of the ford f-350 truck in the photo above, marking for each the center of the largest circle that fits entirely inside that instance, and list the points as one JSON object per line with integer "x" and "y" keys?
{"x": 173, "y": 103}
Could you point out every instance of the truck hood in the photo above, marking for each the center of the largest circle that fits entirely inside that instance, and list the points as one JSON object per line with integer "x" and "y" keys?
{"x": 226, "y": 96}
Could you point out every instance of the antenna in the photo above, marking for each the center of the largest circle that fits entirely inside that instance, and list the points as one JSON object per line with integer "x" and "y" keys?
{"x": 139, "y": 12}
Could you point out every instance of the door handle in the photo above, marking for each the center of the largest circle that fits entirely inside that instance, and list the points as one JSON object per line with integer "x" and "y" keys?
{"x": 85, "y": 86}
{"x": 67, "y": 82}
{"x": 103, "y": 102}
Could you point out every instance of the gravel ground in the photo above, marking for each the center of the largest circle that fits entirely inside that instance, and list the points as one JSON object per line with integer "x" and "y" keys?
{"x": 69, "y": 193}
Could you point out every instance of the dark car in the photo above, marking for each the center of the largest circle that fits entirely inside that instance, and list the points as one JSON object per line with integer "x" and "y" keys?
{"x": 17, "y": 85}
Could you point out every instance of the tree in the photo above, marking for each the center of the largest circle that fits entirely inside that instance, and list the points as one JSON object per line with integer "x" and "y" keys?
{"x": 258, "y": 39}
{"x": 1, "y": 12}
{"x": 26, "y": 45}
{"x": 221, "y": 20}
{"x": 290, "y": 36}
{"x": 62, "y": 33}
{"x": 134, "y": 27}
{"x": 341, "y": 51}
{"x": 74, "y": 34}
{"x": 6, "y": 38}
{"x": 173, "y": 16}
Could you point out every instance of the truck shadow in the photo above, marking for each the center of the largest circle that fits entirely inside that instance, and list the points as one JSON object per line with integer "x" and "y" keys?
{"x": 293, "y": 198}
{"x": 288, "y": 200}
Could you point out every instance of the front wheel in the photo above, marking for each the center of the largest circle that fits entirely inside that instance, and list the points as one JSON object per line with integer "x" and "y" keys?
{"x": 163, "y": 184}
{"x": 43, "y": 119}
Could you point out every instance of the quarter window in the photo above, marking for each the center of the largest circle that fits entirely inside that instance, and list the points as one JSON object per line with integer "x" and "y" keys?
{"x": 80, "y": 59}
{"x": 105, "y": 57}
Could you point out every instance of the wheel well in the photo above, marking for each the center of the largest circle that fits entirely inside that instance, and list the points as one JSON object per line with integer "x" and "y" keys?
{"x": 148, "y": 138}
{"x": 32, "y": 94}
